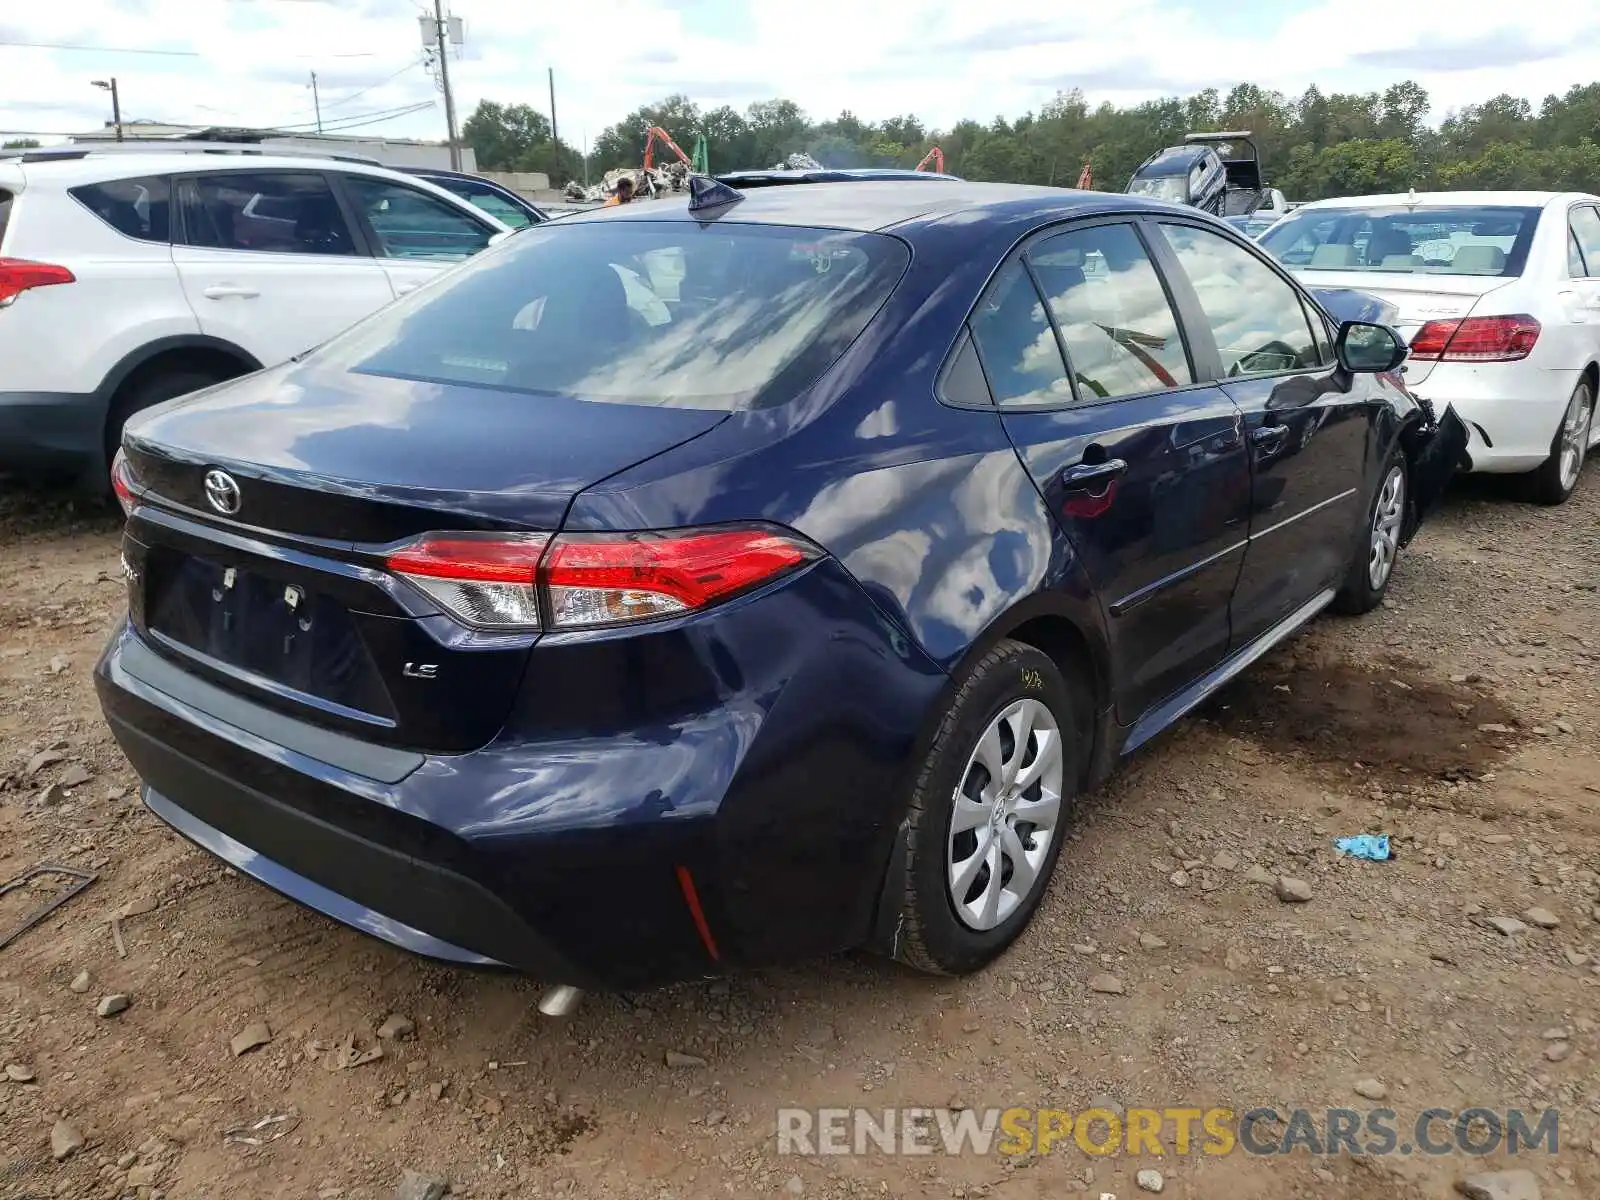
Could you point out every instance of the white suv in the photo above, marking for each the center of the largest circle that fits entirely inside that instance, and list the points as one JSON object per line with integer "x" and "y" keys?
{"x": 132, "y": 275}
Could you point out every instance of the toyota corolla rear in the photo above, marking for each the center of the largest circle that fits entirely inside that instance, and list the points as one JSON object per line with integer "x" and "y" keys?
{"x": 365, "y": 664}
{"x": 1462, "y": 275}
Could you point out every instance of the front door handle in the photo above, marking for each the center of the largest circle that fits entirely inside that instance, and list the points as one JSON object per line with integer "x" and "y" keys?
{"x": 1091, "y": 477}
{"x": 409, "y": 285}
{"x": 1269, "y": 439}
{"x": 225, "y": 291}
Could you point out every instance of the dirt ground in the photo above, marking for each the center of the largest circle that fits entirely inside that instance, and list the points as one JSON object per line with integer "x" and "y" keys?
{"x": 1463, "y": 719}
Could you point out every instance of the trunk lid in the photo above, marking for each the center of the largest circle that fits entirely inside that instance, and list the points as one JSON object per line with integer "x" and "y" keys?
{"x": 1417, "y": 298}
{"x": 282, "y": 600}
{"x": 355, "y": 458}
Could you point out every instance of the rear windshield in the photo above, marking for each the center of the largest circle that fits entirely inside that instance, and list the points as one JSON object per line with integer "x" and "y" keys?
{"x": 1487, "y": 240}
{"x": 639, "y": 312}
{"x": 5, "y": 213}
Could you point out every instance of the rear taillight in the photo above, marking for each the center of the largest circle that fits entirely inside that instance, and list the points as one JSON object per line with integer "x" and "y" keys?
{"x": 17, "y": 275}
{"x": 577, "y": 581}
{"x": 122, "y": 483}
{"x": 1477, "y": 339}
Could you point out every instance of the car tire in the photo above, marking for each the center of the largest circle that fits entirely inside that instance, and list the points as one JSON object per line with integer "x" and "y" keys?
{"x": 1372, "y": 566}
{"x": 1554, "y": 482}
{"x": 977, "y": 744}
{"x": 147, "y": 391}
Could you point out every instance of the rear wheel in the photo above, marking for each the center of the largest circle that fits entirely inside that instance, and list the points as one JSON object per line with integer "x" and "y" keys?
{"x": 1553, "y": 482}
{"x": 1372, "y": 565}
{"x": 987, "y": 811}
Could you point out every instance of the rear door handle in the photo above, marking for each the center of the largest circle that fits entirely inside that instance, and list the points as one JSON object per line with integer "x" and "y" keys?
{"x": 1270, "y": 438}
{"x": 226, "y": 291}
{"x": 400, "y": 289}
{"x": 1090, "y": 477}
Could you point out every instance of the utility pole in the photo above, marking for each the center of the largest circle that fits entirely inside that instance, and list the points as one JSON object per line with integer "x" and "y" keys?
{"x": 116, "y": 101}
{"x": 444, "y": 82}
{"x": 316, "y": 101}
{"x": 555, "y": 137}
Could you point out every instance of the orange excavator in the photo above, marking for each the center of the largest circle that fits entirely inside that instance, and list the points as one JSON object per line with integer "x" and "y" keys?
{"x": 654, "y": 134}
{"x": 934, "y": 160}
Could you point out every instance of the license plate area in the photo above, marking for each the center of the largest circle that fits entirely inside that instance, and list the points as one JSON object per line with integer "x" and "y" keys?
{"x": 280, "y": 632}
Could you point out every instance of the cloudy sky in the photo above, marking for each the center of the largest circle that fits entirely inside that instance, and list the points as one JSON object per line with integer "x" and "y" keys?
{"x": 249, "y": 61}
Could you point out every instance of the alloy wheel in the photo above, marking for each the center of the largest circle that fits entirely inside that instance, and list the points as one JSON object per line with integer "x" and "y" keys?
{"x": 1574, "y": 437}
{"x": 1387, "y": 517}
{"x": 1005, "y": 814}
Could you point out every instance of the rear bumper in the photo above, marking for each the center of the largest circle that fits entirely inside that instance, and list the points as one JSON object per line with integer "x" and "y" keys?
{"x": 42, "y": 432}
{"x": 562, "y": 852}
{"x": 1512, "y": 410}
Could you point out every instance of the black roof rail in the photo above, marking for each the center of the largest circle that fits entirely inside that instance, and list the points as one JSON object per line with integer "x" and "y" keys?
{"x": 179, "y": 146}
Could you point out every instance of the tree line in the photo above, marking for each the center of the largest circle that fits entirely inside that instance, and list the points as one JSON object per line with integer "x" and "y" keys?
{"x": 1316, "y": 145}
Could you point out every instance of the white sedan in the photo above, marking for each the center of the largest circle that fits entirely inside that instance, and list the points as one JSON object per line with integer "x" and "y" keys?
{"x": 1498, "y": 296}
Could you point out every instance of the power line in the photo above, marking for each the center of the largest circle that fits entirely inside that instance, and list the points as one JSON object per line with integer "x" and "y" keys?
{"x": 353, "y": 121}
{"x": 102, "y": 49}
{"x": 410, "y": 66}
{"x": 87, "y": 49}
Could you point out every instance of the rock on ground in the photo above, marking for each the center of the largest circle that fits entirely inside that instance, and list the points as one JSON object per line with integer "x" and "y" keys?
{"x": 414, "y": 1185}
{"x": 1293, "y": 891}
{"x": 251, "y": 1037}
{"x": 65, "y": 1141}
{"x": 1150, "y": 1181}
{"x": 1107, "y": 985}
{"x": 113, "y": 1004}
{"x": 1500, "y": 1185}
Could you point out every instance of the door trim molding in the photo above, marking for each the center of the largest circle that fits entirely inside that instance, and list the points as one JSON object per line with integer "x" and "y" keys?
{"x": 1133, "y": 599}
{"x": 1305, "y": 512}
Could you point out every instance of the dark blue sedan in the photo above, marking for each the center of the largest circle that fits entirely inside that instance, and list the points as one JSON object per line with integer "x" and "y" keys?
{"x": 693, "y": 586}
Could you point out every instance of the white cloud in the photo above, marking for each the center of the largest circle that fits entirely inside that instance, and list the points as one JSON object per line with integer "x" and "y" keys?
{"x": 941, "y": 59}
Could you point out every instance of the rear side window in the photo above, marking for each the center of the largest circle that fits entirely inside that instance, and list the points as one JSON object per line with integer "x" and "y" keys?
{"x": 1586, "y": 229}
{"x": 270, "y": 213}
{"x": 1021, "y": 356}
{"x": 138, "y": 208}
{"x": 410, "y": 224}
{"x": 648, "y": 312}
{"x": 5, "y": 213}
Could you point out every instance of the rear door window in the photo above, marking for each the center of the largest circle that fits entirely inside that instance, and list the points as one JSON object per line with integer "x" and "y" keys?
{"x": 1120, "y": 333}
{"x": 265, "y": 212}
{"x": 650, "y": 312}
{"x": 406, "y": 223}
{"x": 5, "y": 213}
{"x": 137, "y": 208}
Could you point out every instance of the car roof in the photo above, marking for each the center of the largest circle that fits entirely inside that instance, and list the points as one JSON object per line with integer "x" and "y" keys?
{"x": 96, "y": 168}
{"x": 885, "y": 204}
{"x": 830, "y": 175}
{"x": 1492, "y": 199}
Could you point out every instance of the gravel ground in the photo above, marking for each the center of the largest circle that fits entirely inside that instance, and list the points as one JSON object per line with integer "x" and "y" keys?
{"x": 1463, "y": 719}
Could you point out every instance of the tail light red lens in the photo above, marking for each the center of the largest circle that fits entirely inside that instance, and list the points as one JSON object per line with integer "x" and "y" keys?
{"x": 122, "y": 483}
{"x": 17, "y": 275}
{"x": 576, "y": 581}
{"x": 1477, "y": 339}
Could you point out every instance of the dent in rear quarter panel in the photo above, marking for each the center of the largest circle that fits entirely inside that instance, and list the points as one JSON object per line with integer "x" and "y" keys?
{"x": 945, "y": 540}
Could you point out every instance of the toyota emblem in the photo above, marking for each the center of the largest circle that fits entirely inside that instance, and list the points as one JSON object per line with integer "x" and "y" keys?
{"x": 222, "y": 492}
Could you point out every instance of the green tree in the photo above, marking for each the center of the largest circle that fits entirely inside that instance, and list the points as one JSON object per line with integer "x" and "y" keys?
{"x": 516, "y": 137}
{"x": 21, "y": 144}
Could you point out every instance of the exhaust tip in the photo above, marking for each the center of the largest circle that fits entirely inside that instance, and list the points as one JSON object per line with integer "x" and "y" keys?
{"x": 560, "y": 1001}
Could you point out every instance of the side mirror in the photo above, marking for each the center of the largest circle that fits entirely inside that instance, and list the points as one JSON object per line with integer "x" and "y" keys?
{"x": 1364, "y": 347}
